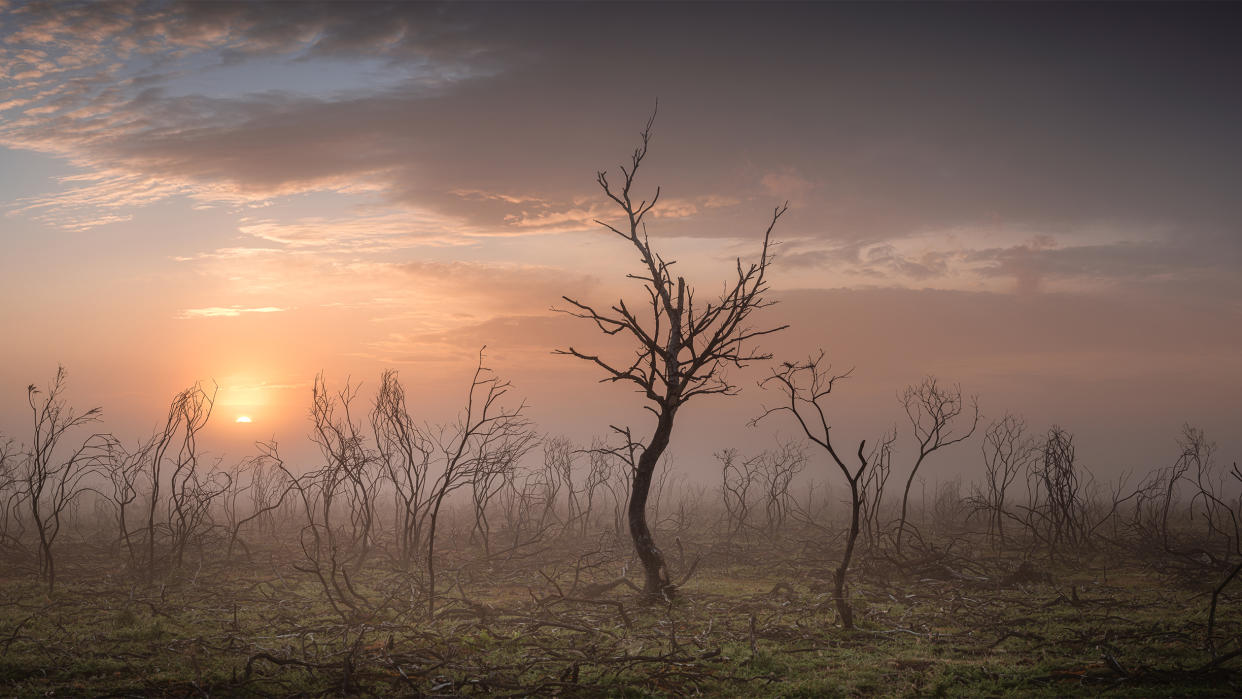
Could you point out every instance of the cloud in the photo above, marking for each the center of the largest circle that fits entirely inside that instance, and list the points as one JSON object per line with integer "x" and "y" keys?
{"x": 225, "y": 311}
{"x": 787, "y": 186}
{"x": 363, "y": 233}
{"x": 1091, "y": 259}
{"x": 450, "y": 125}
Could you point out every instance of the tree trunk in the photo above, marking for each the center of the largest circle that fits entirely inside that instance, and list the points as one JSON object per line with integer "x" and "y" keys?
{"x": 655, "y": 571}
{"x": 905, "y": 500}
{"x": 843, "y": 606}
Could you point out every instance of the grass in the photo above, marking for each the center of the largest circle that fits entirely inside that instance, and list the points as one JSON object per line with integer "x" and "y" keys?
{"x": 944, "y": 626}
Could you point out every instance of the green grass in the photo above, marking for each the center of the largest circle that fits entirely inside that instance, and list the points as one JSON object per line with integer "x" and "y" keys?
{"x": 1131, "y": 631}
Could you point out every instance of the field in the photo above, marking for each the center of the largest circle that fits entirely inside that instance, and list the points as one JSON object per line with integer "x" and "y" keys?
{"x": 755, "y": 618}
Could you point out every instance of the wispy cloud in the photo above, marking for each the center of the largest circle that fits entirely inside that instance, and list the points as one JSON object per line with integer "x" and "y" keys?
{"x": 364, "y": 233}
{"x": 225, "y": 311}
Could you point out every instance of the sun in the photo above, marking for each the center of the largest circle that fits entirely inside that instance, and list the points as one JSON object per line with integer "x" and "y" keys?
{"x": 243, "y": 418}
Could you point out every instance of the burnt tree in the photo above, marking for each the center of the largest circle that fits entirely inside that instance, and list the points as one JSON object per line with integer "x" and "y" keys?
{"x": 806, "y": 387}
{"x": 681, "y": 348}
{"x": 933, "y": 409}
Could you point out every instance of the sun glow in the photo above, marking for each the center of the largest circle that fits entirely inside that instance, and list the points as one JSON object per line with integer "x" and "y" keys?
{"x": 243, "y": 418}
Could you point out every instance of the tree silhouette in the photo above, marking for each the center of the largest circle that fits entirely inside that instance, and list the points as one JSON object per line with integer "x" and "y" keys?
{"x": 681, "y": 349}
{"x": 806, "y": 387}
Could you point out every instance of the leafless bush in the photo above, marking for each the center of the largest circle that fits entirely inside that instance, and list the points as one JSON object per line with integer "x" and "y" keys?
{"x": 262, "y": 479}
{"x": 874, "y": 481}
{"x": 1056, "y": 511}
{"x": 485, "y": 432}
{"x": 12, "y": 527}
{"x": 348, "y": 469}
{"x": 1221, "y": 519}
{"x": 950, "y": 507}
{"x": 404, "y": 452}
{"x": 777, "y": 470}
{"x": 1008, "y": 451}
{"x": 614, "y": 468}
{"x": 555, "y": 477}
{"x": 187, "y": 415}
{"x": 738, "y": 477}
{"x": 190, "y": 503}
{"x": 933, "y": 409}
{"x": 123, "y": 468}
{"x": 599, "y": 471}
{"x": 49, "y": 482}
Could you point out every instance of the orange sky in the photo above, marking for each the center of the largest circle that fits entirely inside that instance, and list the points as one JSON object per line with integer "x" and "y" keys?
{"x": 1036, "y": 202}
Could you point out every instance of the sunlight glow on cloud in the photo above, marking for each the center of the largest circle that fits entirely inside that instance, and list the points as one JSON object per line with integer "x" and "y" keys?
{"x": 374, "y": 233}
{"x": 225, "y": 311}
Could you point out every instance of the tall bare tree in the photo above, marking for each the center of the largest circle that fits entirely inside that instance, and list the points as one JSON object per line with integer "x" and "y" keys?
{"x": 681, "y": 347}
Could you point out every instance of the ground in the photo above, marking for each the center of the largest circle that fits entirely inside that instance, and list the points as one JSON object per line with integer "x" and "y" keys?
{"x": 754, "y": 620}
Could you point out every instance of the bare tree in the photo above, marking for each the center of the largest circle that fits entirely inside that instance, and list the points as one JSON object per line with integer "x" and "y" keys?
{"x": 738, "y": 476}
{"x": 348, "y": 463}
{"x": 806, "y": 387}
{"x": 10, "y": 496}
{"x": 1056, "y": 508}
{"x": 598, "y": 472}
{"x": 614, "y": 468}
{"x": 124, "y": 468}
{"x": 681, "y": 349}
{"x": 485, "y": 430}
{"x": 556, "y": 476}
{"x": 932, "y": 408}
{"x": 50, "y": 484}
{"x": 777, "y": 469}
{"x": 876, "y": 478}
{"x": 1220, "y": 517}
{"x": 1007, "y": 452}
{"x": 187, "y": 414}
{"x": 404, "y": 451}
{"x": 266, "y": 487}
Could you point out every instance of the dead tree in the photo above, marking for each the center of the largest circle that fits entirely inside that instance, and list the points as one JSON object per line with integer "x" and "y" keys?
{"x": 404, "y": 451}
{"x": 187, "y": 414}
{"x": 1055, "y": 510}
{"x": 806, "y": 387}
{"x": 1235, "y": 513}
{"x": 738, "y": 476}
{"x": 485, "y": 432}
{"x": 266, "y": 489}
{"x": 1007, "y": 452}
{"x": 777, "y": 470}
{"x": 486, "y": 484}
{"x": 932, "y": 408}
{"x": 681, "y": 348}
{"x": 555, "y": 476}
{"x": 612, "y": 467}
{"x": 191, "y": 489}
{"x": 491, "y": 473}
{"x": 1220, "y": 517}
{"x": 123, "y": 469}
{"x": 876, "y": 478}
{"x": 596, "y": 478}
{"x": 10, "y": 497}
{"x": 50, "y": 484}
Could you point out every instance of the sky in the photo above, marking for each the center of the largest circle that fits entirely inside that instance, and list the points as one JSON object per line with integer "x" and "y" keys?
{"x": 1035, "y": 201}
